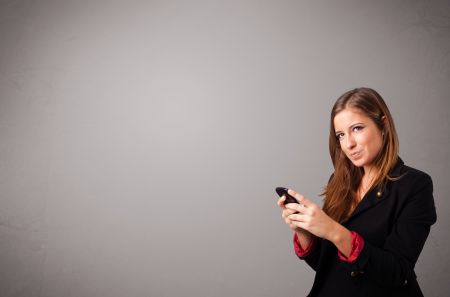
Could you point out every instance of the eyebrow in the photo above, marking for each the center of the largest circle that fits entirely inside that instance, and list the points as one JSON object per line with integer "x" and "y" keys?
{"x": 351, "y": 126}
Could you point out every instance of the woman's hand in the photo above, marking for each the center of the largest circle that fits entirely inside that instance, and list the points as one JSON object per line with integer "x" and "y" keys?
{"x": 286, "y": 213}
{"x": 310, "y": 217}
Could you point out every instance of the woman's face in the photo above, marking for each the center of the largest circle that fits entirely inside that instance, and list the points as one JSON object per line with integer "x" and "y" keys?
{"x": 359, "y": 137}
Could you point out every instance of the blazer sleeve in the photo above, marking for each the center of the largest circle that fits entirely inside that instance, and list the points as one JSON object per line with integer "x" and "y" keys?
{"x": 312, "y": 257}
{"x": 393, "y": 263}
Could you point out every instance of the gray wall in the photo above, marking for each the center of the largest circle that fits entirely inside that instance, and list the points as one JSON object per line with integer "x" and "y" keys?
{"x": 141, "y": 141}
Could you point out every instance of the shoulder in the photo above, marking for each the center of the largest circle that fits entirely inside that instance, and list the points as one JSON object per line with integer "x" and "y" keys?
{"x": 409, "y": 180}
{"x": 413, "y": 192}
{"x": 413, "y": 176}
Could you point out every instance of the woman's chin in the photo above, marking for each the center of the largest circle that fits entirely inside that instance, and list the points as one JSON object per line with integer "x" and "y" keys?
{"x": 358, "y": 163}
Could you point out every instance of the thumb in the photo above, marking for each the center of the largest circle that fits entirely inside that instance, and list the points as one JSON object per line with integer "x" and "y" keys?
{"x": 300, "y": 198}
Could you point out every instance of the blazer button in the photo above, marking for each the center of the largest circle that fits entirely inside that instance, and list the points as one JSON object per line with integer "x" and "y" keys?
{"x": 405, "y": 282}
{"x": 353, "y": 273}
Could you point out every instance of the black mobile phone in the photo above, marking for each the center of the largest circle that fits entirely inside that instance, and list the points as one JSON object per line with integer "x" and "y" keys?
{"x": 284, "y": 191}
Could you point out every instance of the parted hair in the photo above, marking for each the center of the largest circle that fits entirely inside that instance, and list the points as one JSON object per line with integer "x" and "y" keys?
{"x": 341, "y": 191}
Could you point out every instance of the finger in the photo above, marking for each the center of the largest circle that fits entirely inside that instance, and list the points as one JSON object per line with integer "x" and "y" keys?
{"x": 295, "y": 207}
{"x": 303, "y": 209}
{"x": 288, "y": 212}
{"x": 298, "y": 217}
{"x": 300, "y": 198}
{"x": 292, "y": 224}
{"x": 280, "y": 201}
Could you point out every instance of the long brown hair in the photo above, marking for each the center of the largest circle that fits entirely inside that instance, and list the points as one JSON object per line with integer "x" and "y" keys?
{"x": 341, "y": 191}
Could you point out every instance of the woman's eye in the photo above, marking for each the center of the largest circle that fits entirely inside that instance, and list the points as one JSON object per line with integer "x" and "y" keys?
{"x": 358, "y": 128}
{"x": 339, "y": 136}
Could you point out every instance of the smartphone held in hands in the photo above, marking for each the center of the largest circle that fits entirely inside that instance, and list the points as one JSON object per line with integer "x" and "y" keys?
{"x": 284, "y": 191}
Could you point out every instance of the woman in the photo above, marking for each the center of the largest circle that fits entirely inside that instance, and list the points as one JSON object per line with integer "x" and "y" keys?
{"x": 377, "y": 211}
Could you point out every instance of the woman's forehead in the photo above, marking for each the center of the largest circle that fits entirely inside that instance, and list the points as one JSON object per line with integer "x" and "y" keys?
{"x": 349, "y": 113}
{"x": 348, "y": 116}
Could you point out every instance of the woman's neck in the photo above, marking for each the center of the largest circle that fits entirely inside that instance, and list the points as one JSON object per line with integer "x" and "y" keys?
{"x": 366, "y": 181}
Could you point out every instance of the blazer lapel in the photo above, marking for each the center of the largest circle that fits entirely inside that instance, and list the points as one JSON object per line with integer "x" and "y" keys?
{"x": 371, "y": 199}
{"x": 376, "y": 196}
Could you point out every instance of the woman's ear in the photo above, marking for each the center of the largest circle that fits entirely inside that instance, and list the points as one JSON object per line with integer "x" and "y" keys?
{"x": 385, "y": 123}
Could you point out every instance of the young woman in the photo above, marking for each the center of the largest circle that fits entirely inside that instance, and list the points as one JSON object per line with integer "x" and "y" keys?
{"x": 377, "y": 212}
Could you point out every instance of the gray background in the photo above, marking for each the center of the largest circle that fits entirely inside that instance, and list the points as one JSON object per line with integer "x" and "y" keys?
{"x": 141, "y": 141}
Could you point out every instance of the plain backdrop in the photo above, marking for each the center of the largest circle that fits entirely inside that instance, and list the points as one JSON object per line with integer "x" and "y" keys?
{"x": 141, "y": 141}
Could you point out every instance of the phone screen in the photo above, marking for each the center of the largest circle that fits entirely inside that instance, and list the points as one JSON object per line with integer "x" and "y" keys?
{"x": 284, "y": 191}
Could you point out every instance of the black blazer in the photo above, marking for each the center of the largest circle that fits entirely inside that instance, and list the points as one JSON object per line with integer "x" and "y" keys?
{"x": 394, "y": 224}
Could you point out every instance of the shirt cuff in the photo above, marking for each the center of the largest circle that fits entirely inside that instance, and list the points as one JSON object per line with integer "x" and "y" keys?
{"x": 299, "y": 251}
{"x": 357, "y": 247}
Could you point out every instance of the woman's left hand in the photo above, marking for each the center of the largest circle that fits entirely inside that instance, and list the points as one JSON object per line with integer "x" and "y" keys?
{"x": 311, "y": 217}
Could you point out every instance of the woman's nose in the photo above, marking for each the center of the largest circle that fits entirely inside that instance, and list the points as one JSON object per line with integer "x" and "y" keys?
{"x": 350, "y": 142}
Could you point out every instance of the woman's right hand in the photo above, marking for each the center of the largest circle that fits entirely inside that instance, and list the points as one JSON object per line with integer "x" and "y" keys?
{"x": 285, "y": 213}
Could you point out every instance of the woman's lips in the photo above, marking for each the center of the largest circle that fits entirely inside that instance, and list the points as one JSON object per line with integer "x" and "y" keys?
{"x": 356, "y": 155}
